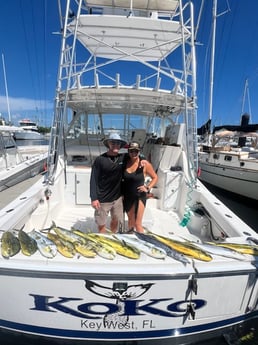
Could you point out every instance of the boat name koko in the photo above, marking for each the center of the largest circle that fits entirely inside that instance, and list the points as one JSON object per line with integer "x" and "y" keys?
{"x": 96, "y": 310}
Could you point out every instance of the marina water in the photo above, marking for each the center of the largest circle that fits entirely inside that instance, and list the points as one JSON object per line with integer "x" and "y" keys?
{"x": 32, "y": 142}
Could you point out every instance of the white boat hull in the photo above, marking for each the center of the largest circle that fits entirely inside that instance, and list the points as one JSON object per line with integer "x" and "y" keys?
{"x": 233, "y": 178}
{"x": 84, "y": 306}
{"x": 27, "y": 135}
{"x": 100, "y": 300}
{"x": 17, "y": 165}
{"x": 23, "y": 171}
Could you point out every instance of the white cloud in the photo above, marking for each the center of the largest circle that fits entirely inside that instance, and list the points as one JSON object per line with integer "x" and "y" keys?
{"x": 38, "y": 110}
{"x": 23, "y": 104}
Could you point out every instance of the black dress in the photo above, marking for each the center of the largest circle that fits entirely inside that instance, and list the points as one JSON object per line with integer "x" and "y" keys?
{"x": 130, "y": 183}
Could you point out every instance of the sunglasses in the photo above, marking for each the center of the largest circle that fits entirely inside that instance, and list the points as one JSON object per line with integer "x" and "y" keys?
{"x": 134, "y": 151}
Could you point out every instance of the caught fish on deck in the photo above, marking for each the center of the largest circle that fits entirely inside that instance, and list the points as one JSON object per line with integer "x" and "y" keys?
{"x": 28, "y": 244}
{"x": 220, "y": 251}
{"x": 102, "y": 249}
{"x": 120, "y": 247}
{"x": 85, "y": 250}
{"x": 185, "y": 248}
{"x": 241, "y": 248}
{"x": 46, "y": 247}
{"x": 64, "y": 247}
{"x": 169, "y": 251}
{"x": 10, "y": 245}
{"x": 67, "y": 235}
{"x": 145, "y": 247}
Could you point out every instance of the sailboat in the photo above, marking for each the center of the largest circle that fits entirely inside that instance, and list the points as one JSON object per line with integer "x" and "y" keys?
{"x": 231, "y": 161}
{"x": 115, "y": 76}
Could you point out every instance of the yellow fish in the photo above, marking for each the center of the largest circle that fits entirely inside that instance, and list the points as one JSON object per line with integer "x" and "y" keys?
{"x": 120, "y": 247}
{"x": 64, "y": 247}
{"x": 185, "y": 248}
{"x": 67, "y": 235}
{"x": 10, "y": 245}
{"x": 85, "y": 250}
{"x": 241, "y": 248}
{"x": 103, "y": 250}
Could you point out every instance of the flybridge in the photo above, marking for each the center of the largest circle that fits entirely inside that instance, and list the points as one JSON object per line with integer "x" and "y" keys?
{"x": 147, "y": 5}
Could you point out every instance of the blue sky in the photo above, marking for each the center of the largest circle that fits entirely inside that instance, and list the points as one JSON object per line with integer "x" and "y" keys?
{"x": 236, "y": 60}
{"x": 31, "y": 52}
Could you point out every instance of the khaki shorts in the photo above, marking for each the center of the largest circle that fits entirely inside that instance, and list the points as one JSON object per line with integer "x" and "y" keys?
{"x": 115, "y": 208}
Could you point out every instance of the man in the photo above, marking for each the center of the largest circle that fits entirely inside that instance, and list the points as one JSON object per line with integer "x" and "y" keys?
{"x": 105, "y": 184}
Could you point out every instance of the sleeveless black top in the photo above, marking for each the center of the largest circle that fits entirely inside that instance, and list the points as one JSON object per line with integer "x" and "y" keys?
{"x": 130, "y": 183}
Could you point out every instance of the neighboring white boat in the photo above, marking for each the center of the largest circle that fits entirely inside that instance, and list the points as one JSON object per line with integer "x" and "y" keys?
{"x": 28, "y": 131}
{"x": 122, "y": 81}
{"x": 231, "y": 161}
{"x": 17, "y": 165}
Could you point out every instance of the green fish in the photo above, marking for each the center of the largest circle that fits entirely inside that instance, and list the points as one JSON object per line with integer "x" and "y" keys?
{"x": 145, "y": 247}
{"x": 168, "y": 249}
{"x": 68, "y": 235}
{"x": 28, "y": 244}
{"x": 102, "y": 249}
{"x": 121, "y": 247}
{"x": 241, "y": 248}
{"x": 85, "y": 250}
{"x": 186, "y": 248}
{"x": 10, "y": 245}
{"x": 64, "y": 247}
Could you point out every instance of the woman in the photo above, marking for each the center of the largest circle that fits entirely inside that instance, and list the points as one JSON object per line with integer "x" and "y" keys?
{"x": 134, "y": 189}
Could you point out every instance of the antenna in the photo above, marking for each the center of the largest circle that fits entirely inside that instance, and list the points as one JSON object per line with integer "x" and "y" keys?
{"x": 214, "y": 16}
{"x": 6, "y": 90}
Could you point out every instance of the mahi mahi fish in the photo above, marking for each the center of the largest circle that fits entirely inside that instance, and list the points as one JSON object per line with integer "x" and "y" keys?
{"x": 169, "y": 251}
{"x": 64, "y": 247}
{"x": 102, "y": 249}
{"x": 46, "y": 247}
{"x": 79, "y": 243}
{"x": 241, "y": 248}
{"x": 67, "y": 235}
{"x": 85, "y": 249}
{"x": 28, "y": 244}
{"x": 121, "y": 248}
{"x": 145, "y": 247}
{"x": 185, "y": 248}
{"x": 10, "y": 245}
{"x": 221, "y": 251}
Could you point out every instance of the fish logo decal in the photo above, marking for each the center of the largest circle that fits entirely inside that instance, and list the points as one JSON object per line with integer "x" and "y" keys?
{"x": 120, "y": 291}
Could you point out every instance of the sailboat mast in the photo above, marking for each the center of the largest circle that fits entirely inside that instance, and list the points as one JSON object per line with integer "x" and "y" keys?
{"x": 214, "y": 17}
{"x": 6, "y": 91}
{"x": 246, "y": 94}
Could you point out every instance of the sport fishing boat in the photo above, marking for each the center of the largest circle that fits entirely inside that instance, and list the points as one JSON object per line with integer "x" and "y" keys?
{"x": 17, "y": 165}
{"x": 28, "y": 131}
{"x": 126, "y": 67}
